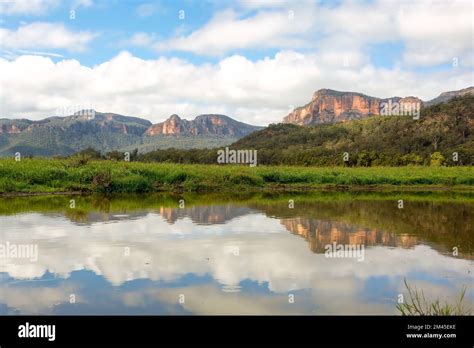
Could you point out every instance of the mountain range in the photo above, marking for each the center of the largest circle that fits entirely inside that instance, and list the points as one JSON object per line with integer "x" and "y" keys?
{"x": 108, "y": 131}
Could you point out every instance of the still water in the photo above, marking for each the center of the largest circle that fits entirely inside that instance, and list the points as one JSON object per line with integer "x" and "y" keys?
{"x": 242, "y": 254}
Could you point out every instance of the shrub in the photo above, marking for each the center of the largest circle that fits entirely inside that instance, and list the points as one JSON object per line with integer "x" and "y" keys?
{"x": 102, "y": 181}
{"x": 77, "y": 161}
{"x": 437, "y": 159}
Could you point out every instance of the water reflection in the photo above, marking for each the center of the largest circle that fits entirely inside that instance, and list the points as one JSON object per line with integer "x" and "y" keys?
{"x": 319, "y": 233}
{"x": 246, "y": 255}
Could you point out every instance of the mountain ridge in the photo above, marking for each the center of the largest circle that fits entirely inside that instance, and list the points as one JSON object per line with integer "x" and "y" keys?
{"x": 202, "y": 124}
{"x": 445, "y": 130}
{"x": 332, "y": 106}
{"x": 63, "y": 135}
{"x": 106, "y": 131}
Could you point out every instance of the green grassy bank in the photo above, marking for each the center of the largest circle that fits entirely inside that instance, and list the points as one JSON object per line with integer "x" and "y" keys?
{"x": 52, "y": 175}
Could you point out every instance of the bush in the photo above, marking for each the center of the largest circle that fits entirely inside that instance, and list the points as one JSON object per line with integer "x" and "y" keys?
{"x": 437, "y": 159}
{"x": 102, "y": 181}
{"x": 77, "y": 161}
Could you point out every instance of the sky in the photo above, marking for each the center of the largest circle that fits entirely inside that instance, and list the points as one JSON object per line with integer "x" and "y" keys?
{"x": 253, "y": 60}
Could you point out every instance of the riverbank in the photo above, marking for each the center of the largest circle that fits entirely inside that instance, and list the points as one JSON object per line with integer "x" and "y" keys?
{"x": 34, "y": 176}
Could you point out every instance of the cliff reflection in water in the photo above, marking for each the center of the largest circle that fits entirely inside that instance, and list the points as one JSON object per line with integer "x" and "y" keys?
{"x": 442, "y": 220}
{"x": 191, "y": 250}
{"x": 204, "y": 215}
{"x": 319, "y": 233}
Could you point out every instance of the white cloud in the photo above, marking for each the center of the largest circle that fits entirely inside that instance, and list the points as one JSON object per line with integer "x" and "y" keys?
{"x": 436, "y": 33}
{"x": 41, "y": 35}
{"x": 139, "y": 39}
{"x": 148, "y": 9}
{"x": 227, "y": 31}
{"x": 432, "y": 32}
{"x": 27, "y": 7}
{"x": 259, "y": 92}
{"x": 76, "y": 4}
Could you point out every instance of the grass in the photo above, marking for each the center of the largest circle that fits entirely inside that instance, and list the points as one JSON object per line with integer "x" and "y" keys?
{"x": 418, "y": 305}
{"x": 54, "y": 175}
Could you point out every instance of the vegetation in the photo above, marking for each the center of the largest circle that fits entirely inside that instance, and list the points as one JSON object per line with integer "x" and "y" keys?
{"x": 442, "y": 136}
{"x": 418, "y": 305}
{"x": 165, "y": 141}
{"x": 86, "y": 174}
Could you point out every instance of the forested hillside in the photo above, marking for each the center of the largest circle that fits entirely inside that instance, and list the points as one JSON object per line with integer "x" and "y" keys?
{"x": 443, "y": 134}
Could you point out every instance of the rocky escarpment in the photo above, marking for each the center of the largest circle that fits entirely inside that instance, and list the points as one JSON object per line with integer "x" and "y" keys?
{"x": 202, "y": 125}
{"x": 330, "y": 106}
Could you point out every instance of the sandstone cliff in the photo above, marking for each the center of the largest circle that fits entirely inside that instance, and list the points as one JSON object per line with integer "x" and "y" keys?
{"x": 330, "y": 106}
{"x": 201, "y": 125}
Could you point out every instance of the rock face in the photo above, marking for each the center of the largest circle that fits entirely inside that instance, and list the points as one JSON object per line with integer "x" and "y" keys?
{"x": 201, "y": 125}
{"x": 330, "y": 106}
{"x": 173, "y": 125}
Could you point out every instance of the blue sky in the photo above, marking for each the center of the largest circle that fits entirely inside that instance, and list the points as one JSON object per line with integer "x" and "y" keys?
{"x": 250, "y": 59}
{"x": 117, "y": 20}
